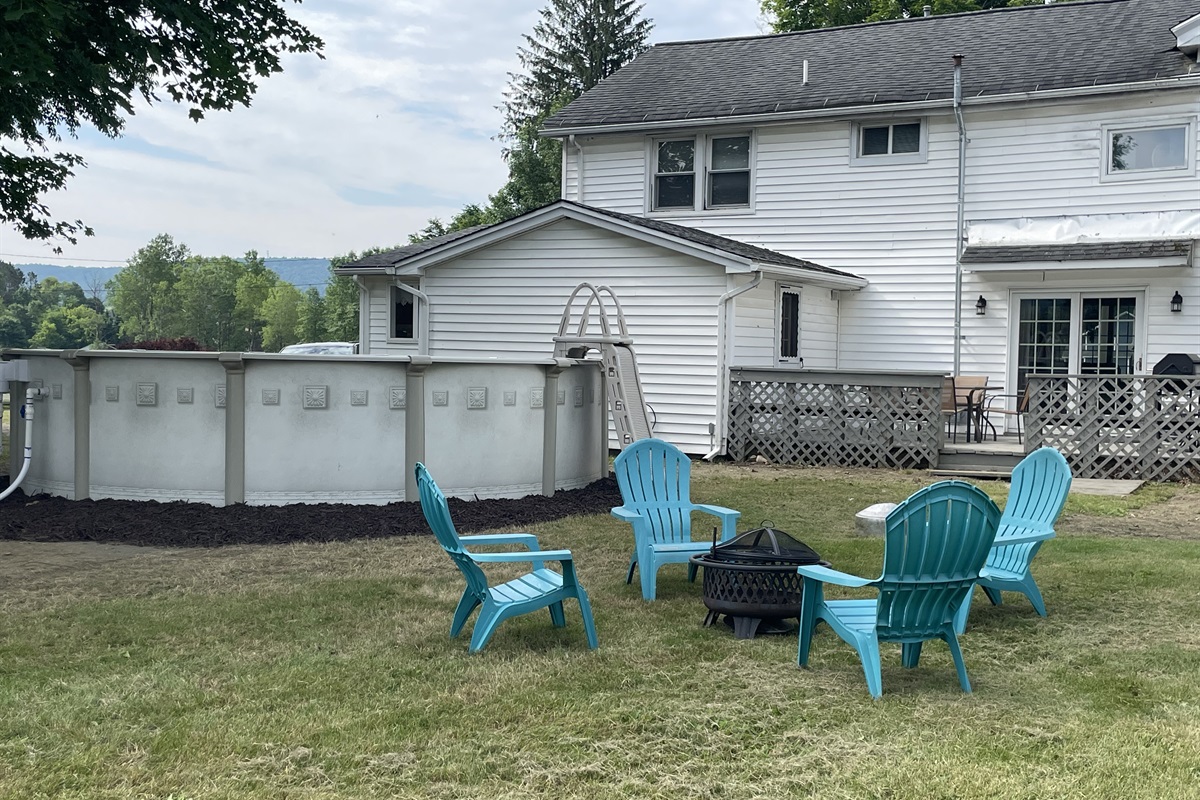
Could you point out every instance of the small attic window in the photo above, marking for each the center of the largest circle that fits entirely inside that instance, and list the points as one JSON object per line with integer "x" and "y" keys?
{"x": 899, "y": 142}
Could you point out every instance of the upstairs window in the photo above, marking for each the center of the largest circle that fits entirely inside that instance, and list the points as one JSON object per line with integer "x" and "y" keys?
{"x": 404, "y": 314}
{"x": 889, "y": 143}
{"x": 675, "y": 174}
{"x": 729, "y": 172}
{"x": 1148, "y": 151}
{"x": 701, "y": 173}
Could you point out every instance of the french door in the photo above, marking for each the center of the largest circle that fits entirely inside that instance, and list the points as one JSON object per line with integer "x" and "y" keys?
{"x": 1077, "y": 333}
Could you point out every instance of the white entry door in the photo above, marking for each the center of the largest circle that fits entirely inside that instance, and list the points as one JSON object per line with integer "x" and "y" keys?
{"x": 1076, "y": 333}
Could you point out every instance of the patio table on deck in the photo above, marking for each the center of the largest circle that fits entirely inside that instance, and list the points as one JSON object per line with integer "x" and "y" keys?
{"x": 977, "y": 408}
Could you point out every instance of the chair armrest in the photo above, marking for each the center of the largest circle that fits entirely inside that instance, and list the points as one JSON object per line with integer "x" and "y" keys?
{"x": 527, "y": 539}
{"x": 827, "y": 575}
{"x": 728, "y": 518}
{"x": 536, "y": 556}
{"x": 625, "y": 515}
{"x": 1022, "y": 538}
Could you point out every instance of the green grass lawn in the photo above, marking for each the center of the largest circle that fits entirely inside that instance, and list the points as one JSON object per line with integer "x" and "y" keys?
{"x": 323, "y": 671}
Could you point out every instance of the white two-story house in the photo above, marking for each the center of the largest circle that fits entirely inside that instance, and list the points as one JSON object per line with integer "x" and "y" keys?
{"x": 996, "y": 193}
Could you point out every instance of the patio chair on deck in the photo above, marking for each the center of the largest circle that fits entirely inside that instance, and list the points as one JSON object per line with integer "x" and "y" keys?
{"x": 655, "y": 481}
{"x": 541, "y": 588}
{"x": 934, "y": 547}
{"x": 1039, "y": 491}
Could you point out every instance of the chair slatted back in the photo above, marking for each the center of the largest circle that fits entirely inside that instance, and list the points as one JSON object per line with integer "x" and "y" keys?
{"x": 1040, "y": 484}
{"x": 936, "y": 542}
{"x": 437, "y": 515}
{"x": 655, "y": 479}
{"x": 964, "y": 385}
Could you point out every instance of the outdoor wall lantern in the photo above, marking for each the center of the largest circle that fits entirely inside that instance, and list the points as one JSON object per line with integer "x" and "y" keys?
{"x": 981, "y": 305}
{"x": 1177, "y": 303}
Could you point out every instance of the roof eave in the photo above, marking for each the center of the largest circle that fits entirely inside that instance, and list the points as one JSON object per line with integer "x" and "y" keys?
{"x": 1189, "y": 81}
{"x": 812, "y": 277}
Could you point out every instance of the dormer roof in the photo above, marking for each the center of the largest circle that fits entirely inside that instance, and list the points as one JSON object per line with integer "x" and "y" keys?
{"x": 1009, "y": 53}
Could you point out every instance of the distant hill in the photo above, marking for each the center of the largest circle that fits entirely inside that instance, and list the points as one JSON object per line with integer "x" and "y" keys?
{"x": 300, "y": 272}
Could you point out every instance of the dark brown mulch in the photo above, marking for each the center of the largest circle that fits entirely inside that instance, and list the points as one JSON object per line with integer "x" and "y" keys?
{"x": 147, "y": 523}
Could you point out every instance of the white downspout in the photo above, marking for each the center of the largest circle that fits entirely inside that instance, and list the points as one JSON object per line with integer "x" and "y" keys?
{"x": 30, "y": 394}
{"x": 364, "y": 316}
{"x": 579, "y": 167}
{"x": 724, "y": 324}
{"x": 961, "y": 218}
{"x": 422, "y": 316}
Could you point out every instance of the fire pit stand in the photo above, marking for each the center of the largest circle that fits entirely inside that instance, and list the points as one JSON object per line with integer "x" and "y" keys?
{"x": 752, "y": 578}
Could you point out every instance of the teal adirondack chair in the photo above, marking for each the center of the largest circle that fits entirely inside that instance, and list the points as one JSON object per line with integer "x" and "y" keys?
{"x": 1039, "y": 491}
{"x": 655, "y": 481}
{"x": 540, "y": 588}
{"x": 934, "y": 547}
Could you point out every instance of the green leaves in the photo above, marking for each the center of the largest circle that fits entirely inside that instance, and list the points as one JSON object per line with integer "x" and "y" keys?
{"x": 69, "y": 63}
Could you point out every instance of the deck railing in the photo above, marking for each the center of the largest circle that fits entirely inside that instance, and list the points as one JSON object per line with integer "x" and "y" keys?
{"x": 835, "y": 418}
{"x": 1119, "y": 427}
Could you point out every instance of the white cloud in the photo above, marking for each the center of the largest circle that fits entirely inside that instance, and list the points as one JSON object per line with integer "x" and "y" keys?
{"x": 393, "y": 127}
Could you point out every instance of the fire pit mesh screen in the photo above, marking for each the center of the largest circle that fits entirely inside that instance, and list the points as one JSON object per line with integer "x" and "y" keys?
{"x": 753, "y": 577}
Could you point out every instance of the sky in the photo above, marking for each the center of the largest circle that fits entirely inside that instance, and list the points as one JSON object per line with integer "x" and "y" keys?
{"x": 394, "y": 127}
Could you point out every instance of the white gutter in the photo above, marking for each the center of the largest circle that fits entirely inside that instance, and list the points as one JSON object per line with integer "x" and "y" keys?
{"x": 1179, "y": 82}
{"x": 724, "y": 324}
{"x": 961, "y": 213}
{"x": 30, "y": 394}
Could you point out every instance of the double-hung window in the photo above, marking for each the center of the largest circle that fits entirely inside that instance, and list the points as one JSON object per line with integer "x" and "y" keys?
{"x": 1149, "y": 151}
{"x": 898, "y": 142}
{"x": 698, "y": 173}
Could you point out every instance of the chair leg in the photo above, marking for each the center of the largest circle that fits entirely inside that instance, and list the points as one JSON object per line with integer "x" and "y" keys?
{"x": 961, "y": 667}
{"x": 632, "y": 567}
{"x": 993, "y": 595}
{"x": 1030, "y": 588}
{"x": 808, "y": 619}
{"x": 649, "y": 574}
{"x": 868, "y": 651}
{"x": 585, "y": 609}
{"x": 964, "y": 610}
{"x": 466, "y": 605}
{"x": 691, "y": 572}
{"x": 557, "y": 616}
{"x": 485, "y": 626}
{"x": 910, "y": 654}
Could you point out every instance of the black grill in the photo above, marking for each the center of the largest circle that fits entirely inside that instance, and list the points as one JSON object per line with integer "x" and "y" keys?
{"x": 752, "y": 578}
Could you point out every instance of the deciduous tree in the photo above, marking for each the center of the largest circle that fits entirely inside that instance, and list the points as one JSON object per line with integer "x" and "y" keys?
{"x": 799, "y": 15}
{"x": 69, "y": 63}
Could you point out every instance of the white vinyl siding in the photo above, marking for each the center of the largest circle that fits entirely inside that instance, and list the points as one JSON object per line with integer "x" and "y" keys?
{"x": 756, "y": 333}
{"x": 895, "y": 224}
{"x": 505, "y": 301}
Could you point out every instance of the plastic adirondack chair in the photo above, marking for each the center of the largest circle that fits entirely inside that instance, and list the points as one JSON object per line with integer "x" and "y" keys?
{"x": 1039, "y": 491}
{"x": 540, "y": 588}
{"x": 936, "y": 543}
{"x": 655, "y": 478}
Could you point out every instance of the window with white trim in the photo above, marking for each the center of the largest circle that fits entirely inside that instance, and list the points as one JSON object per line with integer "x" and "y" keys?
{"x": 1148, "y": 151}
{"x": 403, "y": 323}
{"x": 789, "y": 326}
{"x": 699, "y": 173}
{"x": 895, "y": 142}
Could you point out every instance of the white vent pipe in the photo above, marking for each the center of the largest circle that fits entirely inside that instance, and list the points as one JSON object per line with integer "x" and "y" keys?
{"x": 30, "y": 395}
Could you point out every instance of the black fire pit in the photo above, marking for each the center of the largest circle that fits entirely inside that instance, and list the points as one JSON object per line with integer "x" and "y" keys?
{"x": 752, "y": 578}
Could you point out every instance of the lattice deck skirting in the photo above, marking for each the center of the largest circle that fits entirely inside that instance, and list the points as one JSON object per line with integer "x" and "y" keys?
{"x": 1119, "y": 427}
{"x": 835, "y": 419}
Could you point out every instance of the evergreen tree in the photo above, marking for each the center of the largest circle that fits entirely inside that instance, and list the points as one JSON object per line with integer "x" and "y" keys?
{"x": 575, "y": 45}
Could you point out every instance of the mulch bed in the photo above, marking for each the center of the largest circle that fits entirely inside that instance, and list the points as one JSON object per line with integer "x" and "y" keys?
{"x": 43, "y": 518}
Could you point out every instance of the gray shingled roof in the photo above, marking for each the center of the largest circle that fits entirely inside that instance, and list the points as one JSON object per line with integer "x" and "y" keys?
{"x": 1064, "y": 45}
{"x": 1082, "y": 251}
{"x": 757, "y": 254}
